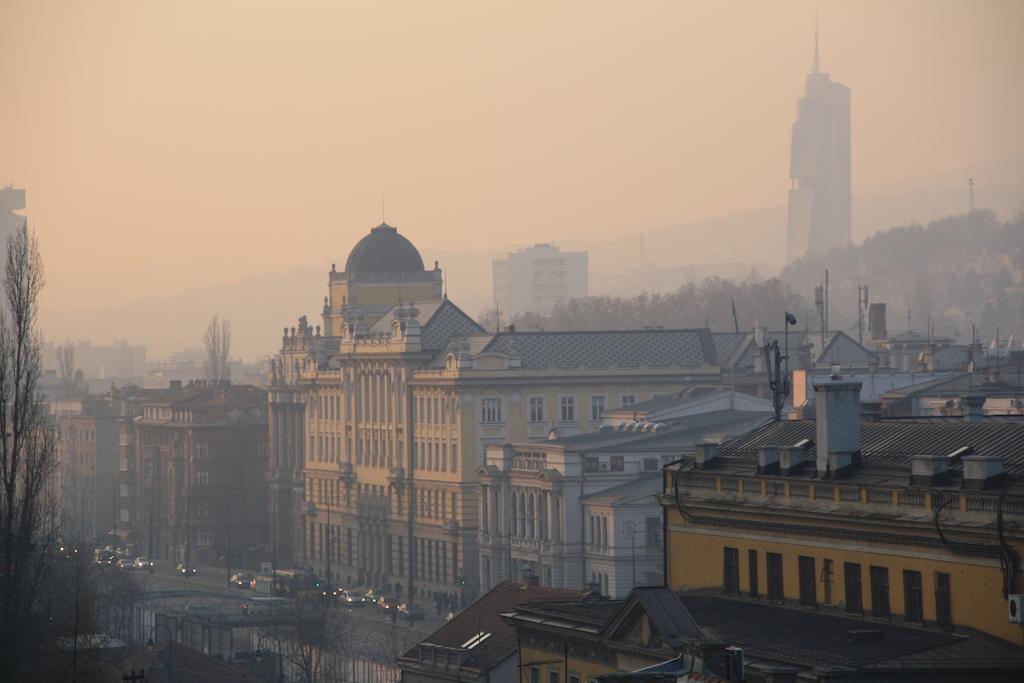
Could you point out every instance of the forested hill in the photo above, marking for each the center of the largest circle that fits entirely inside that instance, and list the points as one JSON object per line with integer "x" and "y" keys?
{"x": 954, "y": 272}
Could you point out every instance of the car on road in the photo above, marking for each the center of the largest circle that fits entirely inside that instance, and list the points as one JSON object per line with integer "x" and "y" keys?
{"x": 242, "y": 580}
{"x": 410, "y": 611}
{"x": 126, "y": 564}
{"x": 185, "y": 571}
{"x": 352, "y": 599}
{"x": 105, "y": 558}
{"x": 386, "y": 604}
{"x": 143, "y": 563}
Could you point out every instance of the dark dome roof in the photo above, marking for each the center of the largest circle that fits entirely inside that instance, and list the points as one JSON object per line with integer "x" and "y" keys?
{"x": 383, "y": 251}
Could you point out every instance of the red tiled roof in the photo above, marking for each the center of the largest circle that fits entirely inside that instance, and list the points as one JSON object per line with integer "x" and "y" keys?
{"x": 483, "y": 616}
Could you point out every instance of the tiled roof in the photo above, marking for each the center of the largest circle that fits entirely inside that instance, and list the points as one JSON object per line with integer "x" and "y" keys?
{"x": 593, "y": 610}
{"x": 483, "y": 616}
{"x": 440, "y": 322}
{"x": 893, "y": 442}
{"x": 726, "y": 344}
{"x": 607, "y": 349}
{"x": 812, "y": 638}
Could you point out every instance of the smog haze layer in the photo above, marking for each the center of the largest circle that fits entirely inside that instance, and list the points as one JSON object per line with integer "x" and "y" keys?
{"x": 180, "y": 146}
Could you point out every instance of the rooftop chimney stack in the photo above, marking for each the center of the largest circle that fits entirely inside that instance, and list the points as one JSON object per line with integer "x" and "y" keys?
{"x": 837, "y": 414}
{"x": 973, "y": 408}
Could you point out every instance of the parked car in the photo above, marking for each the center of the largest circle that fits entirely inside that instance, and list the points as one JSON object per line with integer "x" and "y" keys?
{"x": 203, "y": 611}
{"x": 105, "y": 558}
{"x": 242, "y": 580}
{"x": 126, "y": 564}
{"x": 186, "y": 571}
{"x": 352, "y": 599}
{"x": 411, "y": 611}
{"x": 143, "y": 563}
{"x": 386, "y": 604}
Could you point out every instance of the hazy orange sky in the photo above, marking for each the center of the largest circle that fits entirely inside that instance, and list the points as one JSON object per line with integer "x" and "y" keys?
{"x": 178, "y": 143}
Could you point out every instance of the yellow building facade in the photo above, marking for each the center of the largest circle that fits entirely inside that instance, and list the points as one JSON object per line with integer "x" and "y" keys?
{"x": 380, "y": 416}
{"x": 909, "y": 521}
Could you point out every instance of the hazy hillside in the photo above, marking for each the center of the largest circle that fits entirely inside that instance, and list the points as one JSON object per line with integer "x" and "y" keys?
{"x": 955, "y": 272}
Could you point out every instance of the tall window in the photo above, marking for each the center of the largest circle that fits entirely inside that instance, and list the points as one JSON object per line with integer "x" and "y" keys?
{"x": 943, "y": 601}
{"x": 652, "y": 530}
{"x": 913, "y": 600}
{"x": 455, "y": 458}
{"x": 618, "y": 463}
{"x": 490, "y": 410}
{"x": 536, "y": 409}
{"x": 880, "y": 593}
{"x": 752, "y": 570}
{"x": 808, "y": 584}
{"x": 775, "y": 585}
{"x": 854, "y": 592}
{"x": 568, "y": 408}
{"x": 826, "y": 580}
{"x": 596, "y": 407}
{"x": 731, "y": 571}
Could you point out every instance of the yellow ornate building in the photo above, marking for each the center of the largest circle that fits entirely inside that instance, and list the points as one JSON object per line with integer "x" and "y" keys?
{"x": 914, "y": 521}
{"x": 380, "y": 416}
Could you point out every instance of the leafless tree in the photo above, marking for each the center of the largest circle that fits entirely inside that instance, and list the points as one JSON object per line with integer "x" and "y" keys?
{"x": 218, "y": 350}
{"x": 27, "y": 464}
{"x": 311, "y": 639}
{"x": 66, "y": 366}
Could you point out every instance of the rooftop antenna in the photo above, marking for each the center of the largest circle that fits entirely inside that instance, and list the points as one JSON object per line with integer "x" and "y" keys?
{"x": 735, "y": 319}
{"x": 817, "y": 60}
{"x": 970, "y": 195}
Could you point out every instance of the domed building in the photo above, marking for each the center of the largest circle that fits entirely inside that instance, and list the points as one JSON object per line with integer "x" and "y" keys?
{"x": 382, "y": 270}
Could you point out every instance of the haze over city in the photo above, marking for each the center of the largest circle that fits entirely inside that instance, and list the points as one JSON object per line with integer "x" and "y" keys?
{"x": 578, "y": 342}
{"x": 200, "y": 143}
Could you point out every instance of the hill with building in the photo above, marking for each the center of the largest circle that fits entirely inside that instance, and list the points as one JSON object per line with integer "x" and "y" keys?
{"x": 943, "y": 277}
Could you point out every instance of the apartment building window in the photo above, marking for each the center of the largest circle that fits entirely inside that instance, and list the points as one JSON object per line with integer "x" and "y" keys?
{"x": 574, "y": 677}
{"x": 553, "y": 676}
{"x": 203, "y": 478}
{"x": 596, "y": 407}
{"x": 628, "y": 399}
{"x": 752, "y": 573}
{"x": 808, "y": 583}
{"x": 943, "y": 601}
{"x": 455, "y": 458}
{"x": 650, "y": 464}
{"x": 534, "y": 674}
{"x": 652, "y": 530}
{"x": 617, "y": 463}
{"x": 880, "y": 593}
{"x": 591, "y": 465}
{"x": 913, "y": 600}
{"x": 775, "y": 585}
{"x": 202, "y": 451}
{"x": 854, "y": 591}
{"x": 490, "y": 410}
{"x": 568, "y": 409}
{"x": 536, "y": 409}
{"x": 731, "y": 571}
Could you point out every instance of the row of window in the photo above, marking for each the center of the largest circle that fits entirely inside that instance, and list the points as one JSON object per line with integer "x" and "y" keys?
{"x": 913, "y": 594}
{"x": 554, "y": 674}
{"x": 435, "y": 410}
{"x": 491, "y": 408}
{"x": 433, "y": 457}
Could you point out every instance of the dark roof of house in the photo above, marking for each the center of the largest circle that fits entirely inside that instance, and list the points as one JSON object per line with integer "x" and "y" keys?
{"x": 608, "y": 349}
{"x": 809, "y": 638}
{"x": 593, "y": 610}
{"x": 483, "y": 616}
{"x": 726, "y": 344}
{"x": 649, "y": 482}
{"x": 893, "y": 442}
{"x": 964, "y": 383}
{"x": 665, "y": 611}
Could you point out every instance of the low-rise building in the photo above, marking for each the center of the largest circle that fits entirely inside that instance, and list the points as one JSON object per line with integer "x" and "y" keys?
{"x": 477, "y": 645}
{"x": 913, "y": 520}
{"x": 581, "y": 510}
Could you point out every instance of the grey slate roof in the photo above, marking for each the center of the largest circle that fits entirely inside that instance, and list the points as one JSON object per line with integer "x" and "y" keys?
{"x": 893, "y": 442}
{"x": 726, "y": 344}
{"x": 440, "y": 322}
{"x": 608, "y": 349}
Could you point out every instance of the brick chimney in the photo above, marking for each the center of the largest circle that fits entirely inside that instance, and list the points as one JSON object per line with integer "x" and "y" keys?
{"x": 837, "y": 414}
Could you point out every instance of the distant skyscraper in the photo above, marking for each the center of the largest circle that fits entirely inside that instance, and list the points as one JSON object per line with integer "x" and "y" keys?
{"x": 819, "y": 166}
{"x": 537, "y": 279}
